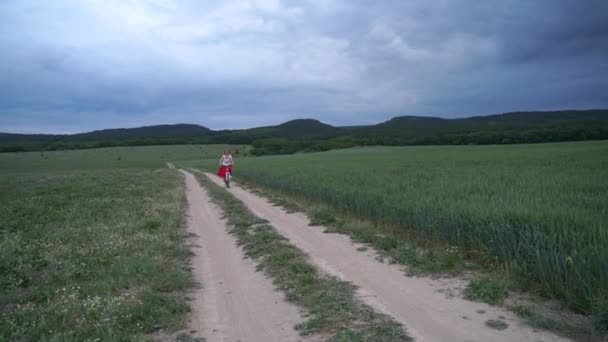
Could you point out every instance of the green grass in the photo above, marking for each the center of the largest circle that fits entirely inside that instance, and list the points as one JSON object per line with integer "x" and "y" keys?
{"x": 109, "y": 158}
{"x": 537, "y": 212}
{"x": 88, "y": 255}
{"x": 330, "y": 303}
{"x": 92, "y": 246}
{"x": 487, "y": 290}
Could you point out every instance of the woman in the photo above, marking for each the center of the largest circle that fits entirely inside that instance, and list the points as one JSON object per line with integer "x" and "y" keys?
{"x": 225, "y": 164}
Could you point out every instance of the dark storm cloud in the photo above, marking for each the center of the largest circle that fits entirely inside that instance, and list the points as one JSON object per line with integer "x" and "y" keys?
{"x": 71, "y": 66}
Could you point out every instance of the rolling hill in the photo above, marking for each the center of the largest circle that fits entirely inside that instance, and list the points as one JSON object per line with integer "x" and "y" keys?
{"x": 313, "y": 135}
{"x": 117, "y": 133}
{"x": 294, "y": 129}
{"x": 418, "y": 126}
{"x": 146, "y": 131}
{"x": 147, "y": 135}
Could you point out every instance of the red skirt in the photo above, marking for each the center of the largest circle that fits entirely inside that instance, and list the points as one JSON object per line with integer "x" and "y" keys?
{"x": 222, "y": 171}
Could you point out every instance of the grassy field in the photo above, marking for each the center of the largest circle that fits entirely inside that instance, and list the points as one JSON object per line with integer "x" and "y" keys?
{"x": 109, "y": 158}
{"x": 538, "y": 212}
{"x": 91, "y": 243}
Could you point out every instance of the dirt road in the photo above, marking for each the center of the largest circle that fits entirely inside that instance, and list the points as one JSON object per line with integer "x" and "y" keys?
{"x": 235, "y": 303}
{"x": 420, "y": 304}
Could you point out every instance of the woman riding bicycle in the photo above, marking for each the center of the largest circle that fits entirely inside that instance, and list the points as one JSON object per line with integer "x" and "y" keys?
{"x": 225, "y": 164}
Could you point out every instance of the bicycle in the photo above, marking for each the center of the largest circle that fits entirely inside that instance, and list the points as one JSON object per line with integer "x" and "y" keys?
{"x": 227, "y": 178}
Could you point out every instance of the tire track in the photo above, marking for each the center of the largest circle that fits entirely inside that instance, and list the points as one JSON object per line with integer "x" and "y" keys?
{"x": 235, "y": 303}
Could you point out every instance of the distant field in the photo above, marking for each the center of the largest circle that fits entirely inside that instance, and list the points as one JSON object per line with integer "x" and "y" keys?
{"x": 110, "y": 157}
{"x": 540, "y": 210}
{"x": 91, "y": 245}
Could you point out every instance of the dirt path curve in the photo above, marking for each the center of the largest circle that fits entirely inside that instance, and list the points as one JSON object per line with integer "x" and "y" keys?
{"x": 235, "y": 303}
{"x": 420, "y": 304}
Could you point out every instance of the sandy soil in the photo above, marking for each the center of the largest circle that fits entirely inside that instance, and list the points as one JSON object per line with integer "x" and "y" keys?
{"x": 235, "y": 303}
{"x": 422, "y": 305}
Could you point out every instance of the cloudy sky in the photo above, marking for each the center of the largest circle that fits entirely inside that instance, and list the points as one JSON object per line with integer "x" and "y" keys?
{"x": 77, "y": 65}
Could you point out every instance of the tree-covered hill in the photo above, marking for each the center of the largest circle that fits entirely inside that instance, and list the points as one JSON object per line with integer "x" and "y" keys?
{"x": 313, "y": 135}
